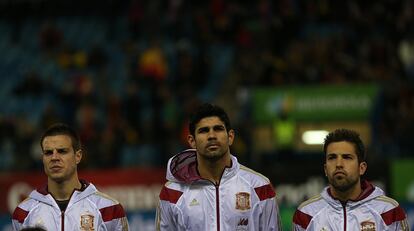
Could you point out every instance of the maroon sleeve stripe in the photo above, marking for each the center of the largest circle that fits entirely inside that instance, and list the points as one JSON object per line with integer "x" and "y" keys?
{"x": 112, "y": 212}
{"x": 393, "y": 215}
{"x": 19, "y": 214}
{"x": 302, "y": 219}
{"x": 265, "y": 192}
{"x": 170, "y": 195}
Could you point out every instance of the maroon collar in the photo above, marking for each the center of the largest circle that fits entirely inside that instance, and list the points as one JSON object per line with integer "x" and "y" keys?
{"x": 366, "y": 187}
{"x": 44, "y": 189}
{"x": 184, "y": 166}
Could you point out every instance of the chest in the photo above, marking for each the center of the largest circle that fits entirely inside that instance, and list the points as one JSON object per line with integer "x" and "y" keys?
{"x": 83, "y": 216}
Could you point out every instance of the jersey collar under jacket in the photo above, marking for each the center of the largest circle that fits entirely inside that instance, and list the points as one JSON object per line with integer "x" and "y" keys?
{"x": 182, "y": 168}
{"x": 44, "y": 196}
{"x": 369, "y": 192}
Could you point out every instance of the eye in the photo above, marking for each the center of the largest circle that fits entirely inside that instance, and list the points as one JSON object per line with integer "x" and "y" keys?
{"x": 219, "y": 128}
{"x": 203, "y": 130}
{"x": 48, "y": 152}
{"x": 62, "y": 150}
{"x": 331, "y": 157}
{"x": 348, "y": 157}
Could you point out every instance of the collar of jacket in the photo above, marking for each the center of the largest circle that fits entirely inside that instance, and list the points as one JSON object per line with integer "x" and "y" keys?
{"x": 183, "y": 168}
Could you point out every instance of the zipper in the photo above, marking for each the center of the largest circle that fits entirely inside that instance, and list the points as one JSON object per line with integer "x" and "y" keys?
{"x": 62, "y": 216}
{"x": 217, "y": 207}
{"x": 344, "y": 209}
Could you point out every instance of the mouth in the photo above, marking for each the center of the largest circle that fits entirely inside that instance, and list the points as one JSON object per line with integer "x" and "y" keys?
{"x": 56, "y": 168}
{"x": 212, "y": 146}
{"x": 339, "y": 173}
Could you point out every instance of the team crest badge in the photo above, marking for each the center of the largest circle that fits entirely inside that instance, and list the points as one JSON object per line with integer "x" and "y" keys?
{"x": 87, "y": 222}
{"x": 242, "y": 201}
{"x": 367, "y": 226}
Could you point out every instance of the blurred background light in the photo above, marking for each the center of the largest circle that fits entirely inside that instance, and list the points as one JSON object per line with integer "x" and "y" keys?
{"x": 314, "y": 137}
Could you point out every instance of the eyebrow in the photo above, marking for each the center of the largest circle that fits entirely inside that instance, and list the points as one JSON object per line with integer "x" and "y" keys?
{"x": 218, "y": 126}
{"x": 341, "y": 154}
{"x": 57, "y": 149}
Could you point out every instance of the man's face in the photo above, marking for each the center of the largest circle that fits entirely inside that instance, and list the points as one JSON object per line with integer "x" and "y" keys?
{"x": 59, "y": 159}
{"x": 211, "y": 138}
{"x": 342, "y": 167}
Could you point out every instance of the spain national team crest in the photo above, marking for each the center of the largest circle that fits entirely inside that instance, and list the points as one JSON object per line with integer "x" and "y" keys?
{"x": 367, "y": 226}
{"x": 242, "y": 201}
{"x": 87, "y": 222}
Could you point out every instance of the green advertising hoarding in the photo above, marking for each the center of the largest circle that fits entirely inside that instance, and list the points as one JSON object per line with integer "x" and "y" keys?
{"x": 402, "y": 180}
{"x": 314, "y": 103}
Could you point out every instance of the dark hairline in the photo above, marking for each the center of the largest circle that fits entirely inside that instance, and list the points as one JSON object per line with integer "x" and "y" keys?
{"x": 62, "y": 129}
{"x": 346, "y": 135}
{"x": 207, "y": 110}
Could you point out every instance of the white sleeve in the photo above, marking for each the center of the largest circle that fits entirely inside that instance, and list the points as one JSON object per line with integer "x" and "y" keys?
{"x": 166, "y": 219}
{"x": 270, "y": 216}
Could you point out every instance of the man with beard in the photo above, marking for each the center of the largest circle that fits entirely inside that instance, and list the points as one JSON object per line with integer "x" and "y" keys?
{"x": 348, "y": 203}
{"x": 66, "y": 202}
{"x": 208, "y": 189}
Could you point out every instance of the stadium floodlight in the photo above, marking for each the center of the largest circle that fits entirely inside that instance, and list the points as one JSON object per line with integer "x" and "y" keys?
{"x": 314, "y": 137}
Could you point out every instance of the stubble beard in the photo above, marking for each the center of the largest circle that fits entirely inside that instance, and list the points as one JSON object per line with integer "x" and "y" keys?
{"x": 342, "y": 185}
{"x": 214, "y": 155}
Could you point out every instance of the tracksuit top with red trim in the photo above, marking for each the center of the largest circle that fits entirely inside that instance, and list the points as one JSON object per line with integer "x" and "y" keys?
{"x": 88, "y": 209}
{"x": 243, "y": 200}
{"x": 371, "y": 211}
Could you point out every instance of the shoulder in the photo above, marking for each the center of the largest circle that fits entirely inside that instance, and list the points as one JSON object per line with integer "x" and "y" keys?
{"x": 172, "y": 192}
{"x": 307, "y": 210}
{"x": 383, "y": 204}
{"x": 312, "y": 205}
{"x": 31, "y": 201}
{"x": 389, "y": 209}
{"x": 386, "y": 201}
{"x": 22, "y": 210}
{"x": 105, "y": 197}
{"x": 260, "y": 183}
{"x": 256, "y": 179}
{"x": 97, "y": 197}
{"x": 108, "y": 206}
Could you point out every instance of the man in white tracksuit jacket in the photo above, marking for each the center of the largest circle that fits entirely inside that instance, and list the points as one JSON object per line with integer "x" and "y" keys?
{"x": 88, "y": 209}
{"x": 348, "y": 203}
{"x": 371, "y": 209}
{"x": 67, "y": 203}
{"x": 208, "y": 189}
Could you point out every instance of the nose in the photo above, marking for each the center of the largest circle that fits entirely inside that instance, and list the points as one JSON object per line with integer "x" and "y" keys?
{"x": 339, "y": 162}
{"x": 55, "y": 155}
{"x": 211, "y": 134}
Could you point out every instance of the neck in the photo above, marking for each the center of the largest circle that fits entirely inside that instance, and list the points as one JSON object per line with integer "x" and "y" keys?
{"x": 63, "y": 190}
{"x": 213, "y": 169}
{"x": 350, "y": 194}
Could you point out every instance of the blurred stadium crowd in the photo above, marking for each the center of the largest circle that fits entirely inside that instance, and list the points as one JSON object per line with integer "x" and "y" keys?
{"x": 127, "y": 74}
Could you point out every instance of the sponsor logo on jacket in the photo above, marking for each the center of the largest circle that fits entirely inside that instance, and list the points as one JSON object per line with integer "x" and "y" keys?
{"x": 242, "y": 225}
{"x": 242, "y": 201}
{"x": 367, "y": 226}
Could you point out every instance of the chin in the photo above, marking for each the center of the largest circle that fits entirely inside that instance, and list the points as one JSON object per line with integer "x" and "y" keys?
{"x": 57, "y": 179}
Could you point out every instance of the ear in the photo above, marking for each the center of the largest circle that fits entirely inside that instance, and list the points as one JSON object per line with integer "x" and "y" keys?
{"x": 231, "y": 135}
{"x": 362, "y": 168}
{"x": 191, "y": 141}
{"x": 324, "y": 169}
{"x": 78, "y": 156}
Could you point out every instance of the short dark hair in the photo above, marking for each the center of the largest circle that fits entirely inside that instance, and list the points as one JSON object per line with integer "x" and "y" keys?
{"x": 208, "y": 110}
{"x": 62, "y": 129}
{"x": 347, "y": 135}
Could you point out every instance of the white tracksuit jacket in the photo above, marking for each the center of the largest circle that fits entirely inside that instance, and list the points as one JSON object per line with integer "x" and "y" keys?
{"x": 372, "y": 211}
{"x": 243, "y": 201}
{"x": 87, "y": 210}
